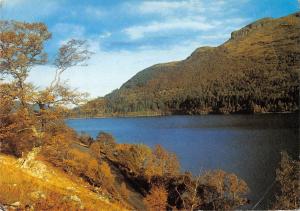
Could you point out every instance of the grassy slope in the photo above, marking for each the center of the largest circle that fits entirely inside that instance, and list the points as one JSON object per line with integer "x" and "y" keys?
{"x": 21, "y": 185}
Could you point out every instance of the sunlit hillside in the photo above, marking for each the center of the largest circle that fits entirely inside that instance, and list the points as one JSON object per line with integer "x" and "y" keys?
{"x": 40, "y": 186}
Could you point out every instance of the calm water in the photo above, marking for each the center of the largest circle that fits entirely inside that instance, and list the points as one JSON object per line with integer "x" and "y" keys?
{"x": 247, "y": 145}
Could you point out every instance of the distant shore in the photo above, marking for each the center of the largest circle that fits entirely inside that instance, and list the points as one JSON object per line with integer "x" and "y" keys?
{"x": 132, "y": 115}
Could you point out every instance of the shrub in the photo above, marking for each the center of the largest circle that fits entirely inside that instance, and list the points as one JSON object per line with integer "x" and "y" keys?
{"x": 287, "y": 178}
{"x": 85, "y": 139}
{"x": 18, "y": 133}
{"x": 212, "y": 190}
{"x": 157, "y": 199}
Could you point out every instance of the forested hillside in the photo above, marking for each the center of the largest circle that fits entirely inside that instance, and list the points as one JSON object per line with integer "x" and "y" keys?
{"x": 255, "y": 71}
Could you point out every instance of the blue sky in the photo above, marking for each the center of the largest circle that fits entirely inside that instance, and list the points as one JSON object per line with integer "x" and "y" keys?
{"x": 128, "y": 36}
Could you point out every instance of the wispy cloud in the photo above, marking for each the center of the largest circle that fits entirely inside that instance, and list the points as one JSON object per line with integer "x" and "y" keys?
{"x": 169, "y": 7}
{"x": 193, "y": 16}
{"x": 186, "y": 7}
{"x": 195, "y": 24}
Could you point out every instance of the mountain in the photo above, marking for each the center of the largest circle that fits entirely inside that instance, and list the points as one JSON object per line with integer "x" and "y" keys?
{"x": 256, "y": 70}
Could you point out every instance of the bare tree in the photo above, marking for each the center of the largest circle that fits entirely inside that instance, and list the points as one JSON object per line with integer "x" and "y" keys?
{"x": 73, "y": 53}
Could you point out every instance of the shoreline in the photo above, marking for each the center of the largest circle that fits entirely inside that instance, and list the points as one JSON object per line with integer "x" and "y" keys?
{"x": 164, "y": 115}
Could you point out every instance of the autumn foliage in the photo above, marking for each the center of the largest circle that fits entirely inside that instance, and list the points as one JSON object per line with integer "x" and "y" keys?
{"x": 287, "y": 178}
{"x": 157, "y": 199}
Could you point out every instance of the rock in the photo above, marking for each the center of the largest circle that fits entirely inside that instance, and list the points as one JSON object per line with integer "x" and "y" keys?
{"x": 75, "y": 198}
{"x": 34, "y": 167}
{"x": 2, "y": 208}
{"x": 251, "y": 27}
{"x": 38, "y": 195}
{"x": 16, "y": 204}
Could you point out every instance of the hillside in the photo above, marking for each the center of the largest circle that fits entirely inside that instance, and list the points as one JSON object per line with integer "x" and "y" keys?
{"x": 35, "y": 184}
{"x": 255, "y": 71}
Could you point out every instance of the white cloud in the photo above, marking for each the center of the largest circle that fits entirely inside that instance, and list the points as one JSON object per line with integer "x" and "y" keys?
{"x": 171, "y": 7}
{"x": 168, "y": 17}
{"x": 191, "y": 24}
{"x": 167, "y": 7}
